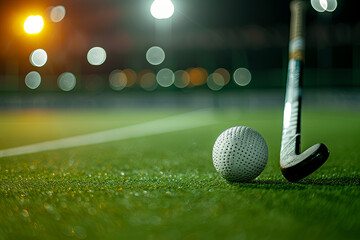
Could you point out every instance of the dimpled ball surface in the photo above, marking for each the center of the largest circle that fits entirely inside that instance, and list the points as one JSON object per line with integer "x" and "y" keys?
{"x": 240, "y": 154}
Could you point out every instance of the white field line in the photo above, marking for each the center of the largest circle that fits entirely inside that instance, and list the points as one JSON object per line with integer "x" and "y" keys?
{"x": 165, "y": 125}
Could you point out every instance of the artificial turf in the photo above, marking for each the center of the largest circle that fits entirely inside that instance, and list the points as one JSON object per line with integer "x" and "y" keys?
{"x": 165, "y": 186}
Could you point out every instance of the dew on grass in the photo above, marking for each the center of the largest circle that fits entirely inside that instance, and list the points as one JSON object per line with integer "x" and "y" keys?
{"x": 49, "y": 208}
{"x": 68, "y": 231}
{"x": 25, "y": 213}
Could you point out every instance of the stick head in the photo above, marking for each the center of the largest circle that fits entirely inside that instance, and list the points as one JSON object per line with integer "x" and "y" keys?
{"x": 295, "y": 167}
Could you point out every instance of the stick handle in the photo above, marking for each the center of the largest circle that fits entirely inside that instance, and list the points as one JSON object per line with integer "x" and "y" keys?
{"x": 297, "y": 30}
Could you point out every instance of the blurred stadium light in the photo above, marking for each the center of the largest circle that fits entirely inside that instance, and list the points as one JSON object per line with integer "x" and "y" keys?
{"x": 147, "y": 80}
{"x": 155, "y": 55}
{"x": 130, "y": 77}
{"x": 162, "y": 9}
{"x": 215, "y": 81}
{"x": 96, "y": 56}
{"x": 38, "y": 58}
{"x": 66, "y": 81}
{"x": 324, "y": 5}
{"x": 242, "y": 76}
{"x": 198, "y": 76}
{"x": 165, "y": 77}
{"x": 57, "y": 13}
{"x": 117, "y": 80}
{"x": 33, "y": 80}
{"x": 33, "y": 24}
{"x": 182, "y": 79}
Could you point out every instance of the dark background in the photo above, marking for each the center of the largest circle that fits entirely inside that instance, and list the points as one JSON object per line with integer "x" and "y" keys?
{"x": 202, "y": 33}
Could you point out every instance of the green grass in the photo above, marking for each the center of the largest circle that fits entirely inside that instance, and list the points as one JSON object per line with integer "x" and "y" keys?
{"x": 165, "y": 186}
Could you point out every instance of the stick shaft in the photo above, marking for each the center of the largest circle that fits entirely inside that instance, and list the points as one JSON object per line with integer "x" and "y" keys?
{"x": 292, "y": 110}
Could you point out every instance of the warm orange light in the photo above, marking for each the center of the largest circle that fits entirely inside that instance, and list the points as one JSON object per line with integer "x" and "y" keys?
{"x": 147, "y": 80}
{"x": 197, "y": 76}
{"x": 33, "y": 24}
{"x": 131, "y": 77}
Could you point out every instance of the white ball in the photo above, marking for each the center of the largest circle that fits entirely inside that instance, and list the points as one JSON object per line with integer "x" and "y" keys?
{"x": 240, "y": 154}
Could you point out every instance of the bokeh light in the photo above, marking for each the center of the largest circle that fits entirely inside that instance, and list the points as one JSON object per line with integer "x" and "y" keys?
{"x": 33, "y": 80}
{"x": 198, "y": 76}
{"x": 331, "y": 5}
{"x": 215, "y": 81}
{"x": 66, "y": 81}
{"x": 182, "y": 79}
{"x": 224, "y": 73}
{"x": 317, "y": 6}
{"x": 162, "y": 9}
{"x": 130, "y": 77}
{"x": 155, "y": 55}
{"x": 33, "y": 24}
{"x": 117, "y": 80}
{"x": 147, "y": 80}
{"x": 96, "y": 56}
{"x": 57, "y": 13}
{"x": 324, "y": 5}
{"x": 38, "y": 58}
{"x": 242, "y": 76}
{"x": 165, "y": 77}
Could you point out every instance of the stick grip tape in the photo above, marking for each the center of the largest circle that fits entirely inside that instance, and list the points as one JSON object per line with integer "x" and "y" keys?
{"x": 297, "y": 30}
